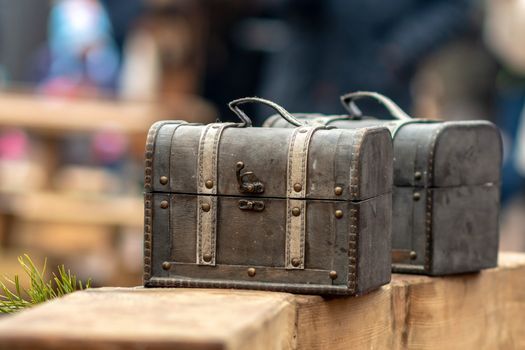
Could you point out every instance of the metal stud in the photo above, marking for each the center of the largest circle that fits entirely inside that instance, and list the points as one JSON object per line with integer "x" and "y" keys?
{"x": 416, "y": 196}
{"x": 206, "y": 257}
{"x": 333, "y": 274}
{"x": 208, "y": 184}
{"x": 205, "y": 207}
{"x": 163, "y": 180}
{"x": 296, "y": 262}
{"x": 339, "y": 214}
{"x": 413, "y": 255}
{"x": 418, "y": 175}
{"x": 297, "y": 187}
{"x": 166, "y": 265}
{"x": 296, "y": 211}
{"x": 251, "y": 272}
{"x": 164, "y": 204}
{"x": 338, "y": 191}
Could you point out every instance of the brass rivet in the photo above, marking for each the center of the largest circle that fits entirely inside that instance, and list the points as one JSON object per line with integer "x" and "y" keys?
{"x": 209, "y": 184}
{"x": 297, "y": 187}
{"x": 339, "y": 214}
{"x": 205, "y": 207}
{"x": 296, "y": 262}
{"x": 166, "y": 265}
{"x": 251, "y": 272}
{"x": 333, "y": 274}
{"x": 296, "y": 211}
{"x": 418, "y": 175}
{"x": 164, "y": 204}
{"x": 416, "y": 196}
{"x": 206, "y": 257}
{"x": 163, "y": 180}
{"x": 413, "y": 255}
{"x": 338, "y": 191}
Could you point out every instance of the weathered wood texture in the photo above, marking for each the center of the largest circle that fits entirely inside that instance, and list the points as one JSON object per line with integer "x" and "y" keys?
{"x": 476, "y": 311}
{"x": 124, "y": 318}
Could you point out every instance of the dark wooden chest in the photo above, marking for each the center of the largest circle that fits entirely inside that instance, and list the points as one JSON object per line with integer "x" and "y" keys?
{"x": 446, "y": 188}
{"x": 304, "y": 209}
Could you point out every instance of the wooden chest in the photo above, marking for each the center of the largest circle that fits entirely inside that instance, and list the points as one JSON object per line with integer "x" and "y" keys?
{"x": 304, "y": 209}
{"x": 446, "y": 188}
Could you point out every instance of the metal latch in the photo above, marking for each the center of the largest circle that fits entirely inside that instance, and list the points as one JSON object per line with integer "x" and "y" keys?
{"x": 248, "y": 182}
{"x": 251, "y": 205}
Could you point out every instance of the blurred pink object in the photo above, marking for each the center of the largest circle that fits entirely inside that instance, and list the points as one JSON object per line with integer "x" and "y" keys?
{"x": 14, "y": 144}
{"x": 109, "y": 146}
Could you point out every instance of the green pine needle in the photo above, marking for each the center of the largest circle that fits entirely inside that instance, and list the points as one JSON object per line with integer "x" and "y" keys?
{"x": 39, "y": 290}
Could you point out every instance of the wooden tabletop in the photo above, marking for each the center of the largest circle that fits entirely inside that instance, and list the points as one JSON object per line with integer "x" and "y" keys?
{"x": 483, "y": 310}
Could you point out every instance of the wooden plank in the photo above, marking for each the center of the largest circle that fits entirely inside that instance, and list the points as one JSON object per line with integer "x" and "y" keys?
{"x": 475, "y": 311}
{"x": 483, "y": 310}
{"x": 59, "y": 115}
{"x": 113, "y": 318}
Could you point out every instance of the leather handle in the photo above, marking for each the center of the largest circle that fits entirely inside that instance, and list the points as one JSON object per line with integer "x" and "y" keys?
{"x": 348, "y": 101}
{"x": 246, "y": 121}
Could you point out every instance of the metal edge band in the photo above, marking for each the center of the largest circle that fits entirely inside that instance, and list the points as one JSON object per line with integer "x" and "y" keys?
{"x": 148, "y": 186}
{"x": 150, "y": 148}
{"x": 206, "y": 189}
{"x": 297, "y": 169}
{"x": 353, "y": 236}
{"x": 428, "y": 214}
{"x": 265, "y": 286}
{"x": 147, "y": 237}
{"x": 354, "y": 167}
{"x": 353, "y": 241}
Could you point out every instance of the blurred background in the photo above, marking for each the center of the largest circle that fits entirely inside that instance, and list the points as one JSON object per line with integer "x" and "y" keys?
{"x": 82, "y": 80}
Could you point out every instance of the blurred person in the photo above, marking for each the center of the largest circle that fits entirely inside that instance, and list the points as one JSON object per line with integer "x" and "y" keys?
{"x": 84, "y": 60}
{"x": 82, "y": 52}
{"x": 505, "y": 35}
{"x": 337, "y": 46}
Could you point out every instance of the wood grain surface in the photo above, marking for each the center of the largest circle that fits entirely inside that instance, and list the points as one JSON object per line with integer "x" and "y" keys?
{"x": 476, "y": 311}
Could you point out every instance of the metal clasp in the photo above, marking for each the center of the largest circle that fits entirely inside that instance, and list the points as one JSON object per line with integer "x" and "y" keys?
{"x": 248, "y": 182}
{"x": 251, "y": 205}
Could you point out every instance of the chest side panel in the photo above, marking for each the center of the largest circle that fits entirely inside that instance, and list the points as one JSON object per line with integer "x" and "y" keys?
{"x": 467, "y": 154}
{"x": 465, "y": 229}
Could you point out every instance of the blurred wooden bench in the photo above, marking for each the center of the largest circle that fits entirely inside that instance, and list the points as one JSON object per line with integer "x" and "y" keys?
{"x": 41, "y": 210}
{"x": 476, "y": 311}
{"x": 54, "y": 115}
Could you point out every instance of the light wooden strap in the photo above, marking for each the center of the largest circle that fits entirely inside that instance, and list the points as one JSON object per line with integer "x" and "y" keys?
{"x": 206, "y": 230}
{"x": 296, "y": 192}
{"x": 207, "y": 189}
